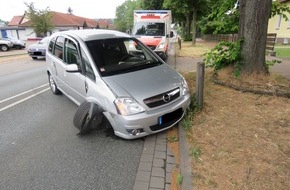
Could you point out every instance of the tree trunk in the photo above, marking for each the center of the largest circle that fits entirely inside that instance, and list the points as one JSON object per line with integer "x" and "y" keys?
{"x": 253, "y": 25}
{"x": 187, "y": 26}
{"x": 194, "y": 15}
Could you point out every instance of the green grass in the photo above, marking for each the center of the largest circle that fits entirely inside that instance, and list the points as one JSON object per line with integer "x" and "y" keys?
{"x": 172, "y": 138}
{"x": 282, "y": 52}
{"x": 195, "y": 152}
{"x": 179, "y": 178}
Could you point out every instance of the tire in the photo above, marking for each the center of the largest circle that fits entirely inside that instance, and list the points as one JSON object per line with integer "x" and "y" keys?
{"x": 52, "y": 85}
{"x": 4, "y": 48}
{"x": 82, "y": 119}
{"x": 34, "y": 58}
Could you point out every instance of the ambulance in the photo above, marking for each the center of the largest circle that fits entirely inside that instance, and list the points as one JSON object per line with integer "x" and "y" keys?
{"x": 152, "y": 27}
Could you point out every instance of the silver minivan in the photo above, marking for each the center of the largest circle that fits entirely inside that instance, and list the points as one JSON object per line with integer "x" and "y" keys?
{"x": 117, "y": 80}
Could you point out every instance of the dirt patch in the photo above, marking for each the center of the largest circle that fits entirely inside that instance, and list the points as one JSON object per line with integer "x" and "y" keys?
{"x": 244, "y": 138}
{"x": 273, "y": 84}
{"x": 197, "y": 50}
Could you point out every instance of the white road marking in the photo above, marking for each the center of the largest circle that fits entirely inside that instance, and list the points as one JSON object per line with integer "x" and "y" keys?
{"x": 12, "y": 97}
{"x": 24, "y": 99}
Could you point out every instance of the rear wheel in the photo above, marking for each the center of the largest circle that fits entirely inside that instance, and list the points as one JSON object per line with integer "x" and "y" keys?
{"x": 52, "y": 85}
{"x": 34, "y": 58}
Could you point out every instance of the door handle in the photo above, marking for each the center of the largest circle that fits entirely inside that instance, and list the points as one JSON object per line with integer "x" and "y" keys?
{"x": 86, "y": 87}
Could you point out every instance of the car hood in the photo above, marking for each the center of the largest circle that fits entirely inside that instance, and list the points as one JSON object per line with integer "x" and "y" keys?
{"x": 144, "y": 83}
{"x": 37, "y": 46}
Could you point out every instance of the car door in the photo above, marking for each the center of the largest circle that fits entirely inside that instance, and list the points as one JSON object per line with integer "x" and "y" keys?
{"x": 74, "y": 82}
{"x": 56, "y": 60}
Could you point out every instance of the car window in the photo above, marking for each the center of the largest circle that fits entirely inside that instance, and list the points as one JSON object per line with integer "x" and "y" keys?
{"x": 87, "y": 67}
{"x": 149, "y": 29}
{"x": 51, "y": 44}
{"x": 121, "y": 55}
{"x": 71, "y": 55}
{"x": 58, "y": 49}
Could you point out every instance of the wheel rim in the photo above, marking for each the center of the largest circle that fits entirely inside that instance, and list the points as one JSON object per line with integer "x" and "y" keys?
{"x": 52, "y": 83}
{"x": 4, "y": 48}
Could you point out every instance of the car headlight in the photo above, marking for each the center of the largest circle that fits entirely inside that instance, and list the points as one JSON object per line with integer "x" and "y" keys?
{"x": 185, "y": 88}
{"x": 128, "y": 106}
{"x": 161, "y": 45}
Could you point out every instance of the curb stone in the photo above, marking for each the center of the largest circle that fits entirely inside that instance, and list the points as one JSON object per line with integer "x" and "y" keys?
{"x": 185, "y": 160}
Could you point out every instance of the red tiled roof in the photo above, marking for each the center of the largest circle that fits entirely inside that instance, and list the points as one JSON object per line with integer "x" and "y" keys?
{"x": 15, "y": 21}
{"x": 62, "y": 19}
{"x": 67, "y": 20}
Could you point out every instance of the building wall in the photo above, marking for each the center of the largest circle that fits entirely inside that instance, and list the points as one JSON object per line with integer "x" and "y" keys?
{"x": 20, "y": 34}
{"x": 28, "y": 33}
{"x": 279, "y": 25}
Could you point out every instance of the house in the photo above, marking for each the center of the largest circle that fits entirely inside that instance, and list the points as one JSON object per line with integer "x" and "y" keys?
{"x": 105, "y": 23}
{"x": 13, "y": 29}
{"x": 279, "y": 25}
{"x": 20, "y": 27}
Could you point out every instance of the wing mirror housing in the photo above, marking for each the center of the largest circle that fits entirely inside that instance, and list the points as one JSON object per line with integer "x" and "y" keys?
{"x": 72, "y": 68}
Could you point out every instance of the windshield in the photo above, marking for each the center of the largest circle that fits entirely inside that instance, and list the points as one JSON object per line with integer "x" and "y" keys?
{"x": 149, "y": 29}
{"x": 121, "y": 55}
{"x": 44, "y": 40}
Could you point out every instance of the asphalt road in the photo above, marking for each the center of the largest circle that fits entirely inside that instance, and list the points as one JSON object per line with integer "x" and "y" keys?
{"x": 39, "y": 148}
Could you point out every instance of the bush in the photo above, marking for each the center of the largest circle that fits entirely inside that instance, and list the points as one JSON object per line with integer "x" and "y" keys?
{"x": 224, "y": 54}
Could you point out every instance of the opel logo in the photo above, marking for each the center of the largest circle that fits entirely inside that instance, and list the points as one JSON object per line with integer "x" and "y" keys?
{"x": 166, "y": 97}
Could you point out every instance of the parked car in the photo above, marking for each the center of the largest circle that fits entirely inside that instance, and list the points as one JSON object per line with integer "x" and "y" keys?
{"x": 5, "y": 45}
{"x": 38, "y": 50}
{"x": 116, "y": 80}
{"x": 17, "y": 43}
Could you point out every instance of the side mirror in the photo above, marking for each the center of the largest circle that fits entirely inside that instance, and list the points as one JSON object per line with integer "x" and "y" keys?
{"x": 72, "y": 68}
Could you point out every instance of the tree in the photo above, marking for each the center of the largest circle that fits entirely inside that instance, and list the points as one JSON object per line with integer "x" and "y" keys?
{"x": 151, "y": 4}
{"x": 70, "y": 11}
{"x": 124, "y": 15}
{"x": 186, "y": 11}
{"x": 248, "y": 54}
{"x": 253, "y": 26}
{"x": 220, "y": 17}
{"x": 41, "y": 20}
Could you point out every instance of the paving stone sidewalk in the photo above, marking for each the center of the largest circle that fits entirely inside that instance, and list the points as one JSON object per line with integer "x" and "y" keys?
{"x": 156, "y": 164}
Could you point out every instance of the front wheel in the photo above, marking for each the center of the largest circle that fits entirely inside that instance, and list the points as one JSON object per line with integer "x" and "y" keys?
{"x": 52, "y": 85}
{"x": 4, "y": 48}
{"x": 87, "y": 117}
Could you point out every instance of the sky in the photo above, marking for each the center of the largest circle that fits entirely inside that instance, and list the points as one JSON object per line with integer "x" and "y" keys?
{"x": 83, "y": 8}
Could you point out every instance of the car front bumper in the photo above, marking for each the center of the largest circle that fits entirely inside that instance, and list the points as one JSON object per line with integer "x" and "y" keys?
{"x": 36, "y": 53}
{"x": 143, "y": 124}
